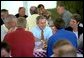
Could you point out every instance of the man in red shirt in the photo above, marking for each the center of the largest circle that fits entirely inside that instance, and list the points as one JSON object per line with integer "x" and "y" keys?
{"x": 21, "y": 42}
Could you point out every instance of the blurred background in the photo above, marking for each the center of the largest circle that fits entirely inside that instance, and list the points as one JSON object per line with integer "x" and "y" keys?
{"x": 72, "y": 6}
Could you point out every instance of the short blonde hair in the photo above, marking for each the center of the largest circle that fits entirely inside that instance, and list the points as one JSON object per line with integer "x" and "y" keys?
{"x": 21, "y": 22}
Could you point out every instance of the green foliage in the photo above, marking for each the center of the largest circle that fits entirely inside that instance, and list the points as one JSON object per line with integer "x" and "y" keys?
{"x": 54, "y": 14}
{"x": 72, "y": 6}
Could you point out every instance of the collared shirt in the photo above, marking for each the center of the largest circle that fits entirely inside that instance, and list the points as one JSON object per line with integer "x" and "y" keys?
{"x": 4, "y": 31}
{"x": 61, "y": 34}
{"x": 37, "y": 32}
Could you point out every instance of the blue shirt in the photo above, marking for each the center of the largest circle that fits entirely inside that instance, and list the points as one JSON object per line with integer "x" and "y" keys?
{"x": 37, "y": 32}
{"x": 61, "y": 34}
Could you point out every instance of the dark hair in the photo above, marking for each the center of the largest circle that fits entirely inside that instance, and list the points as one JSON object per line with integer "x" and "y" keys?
{"x": 33, "y": 10}
{"x": 5, "y": 46}
{"x": 21, "y": 8}
{"x": 76, "y": 17}
{"x": 59, "y": 23}
{"x": 4, "y": 10}
{"x": 40, "y": 17}
{"x": 40, "y": 5}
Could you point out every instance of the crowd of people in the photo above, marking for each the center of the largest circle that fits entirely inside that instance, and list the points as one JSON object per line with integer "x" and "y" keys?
{"x": 39, "y": 36}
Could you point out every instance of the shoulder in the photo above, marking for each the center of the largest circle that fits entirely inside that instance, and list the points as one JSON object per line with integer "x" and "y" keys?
{"x": 69, "y": 33}
{"x": 65, "y": 32}
{"x": 32, "y": 17}
{"x": 67, "y": 13}
{"x": 29, "y": 32}
{"x": 17, "y": 14}
{"x": 8, "y": 36}
{"x": 3, "y": 27}
{"x": 47, "y": 28}
{"x": 34, "y": 29}
{"x": 68, "y": 28}
{"x": 25, "y": 16}
{"x": 30, "y": 35}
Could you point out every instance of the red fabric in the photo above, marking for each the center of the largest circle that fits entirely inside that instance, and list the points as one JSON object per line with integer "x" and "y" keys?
{"x": 21, "y": 42}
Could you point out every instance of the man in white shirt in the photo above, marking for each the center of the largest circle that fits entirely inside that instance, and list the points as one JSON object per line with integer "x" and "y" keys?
{"x": 8, "y": 26}
{"x": 31, "y": 20}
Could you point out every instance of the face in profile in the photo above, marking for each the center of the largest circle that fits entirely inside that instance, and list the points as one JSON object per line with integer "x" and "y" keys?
{"x": 42, "y": 23}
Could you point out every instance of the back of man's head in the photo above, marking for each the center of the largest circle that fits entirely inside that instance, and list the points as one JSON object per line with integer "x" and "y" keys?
{"x": 33, "y": 10}
{"x": 21, "y": 22}
{"x": 10, "y": 18}
{"x": 59, "y": 23}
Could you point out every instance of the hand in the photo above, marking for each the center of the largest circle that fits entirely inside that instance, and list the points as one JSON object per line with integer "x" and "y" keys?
{"x": 44, "y": 44}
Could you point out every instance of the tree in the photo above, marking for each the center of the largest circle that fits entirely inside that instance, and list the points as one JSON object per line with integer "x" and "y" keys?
{"x": 72, "y": 6}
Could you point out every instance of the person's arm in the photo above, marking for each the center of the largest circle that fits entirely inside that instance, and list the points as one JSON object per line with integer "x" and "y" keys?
{"x": 49, "y": 47}
{"x": 3, "y": 33}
